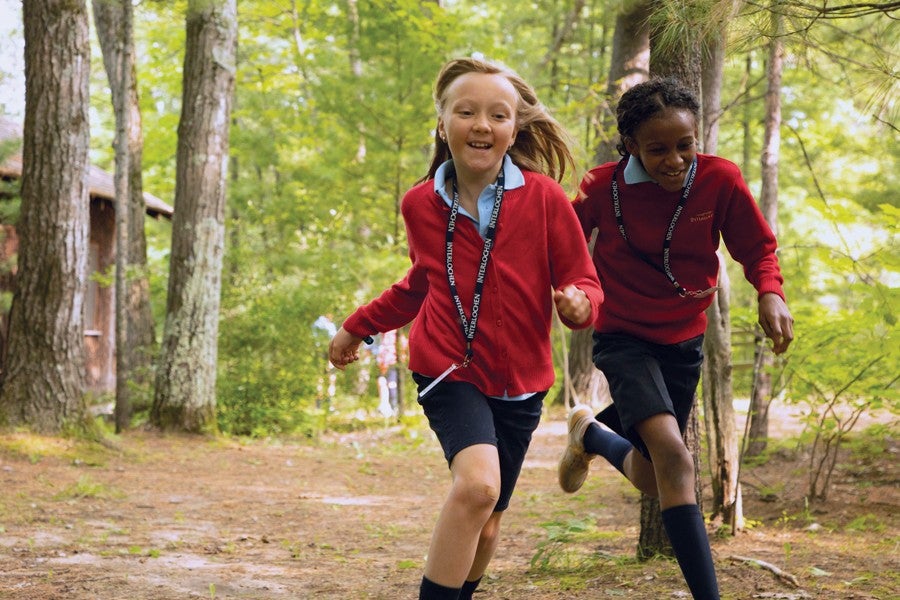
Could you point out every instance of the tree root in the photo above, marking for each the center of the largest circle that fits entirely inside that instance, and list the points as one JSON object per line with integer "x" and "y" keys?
{"x": 779, "y": 574}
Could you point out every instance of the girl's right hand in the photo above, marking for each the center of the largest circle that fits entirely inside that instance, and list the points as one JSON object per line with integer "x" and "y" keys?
{"x": 343, "y": 348}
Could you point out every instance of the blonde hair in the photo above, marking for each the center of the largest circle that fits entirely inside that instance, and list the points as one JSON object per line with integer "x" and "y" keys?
{"x": 542, "y": 145}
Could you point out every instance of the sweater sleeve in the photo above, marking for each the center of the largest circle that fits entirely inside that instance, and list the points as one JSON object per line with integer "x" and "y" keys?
{"x": 585, "y": 210}
{"x": 570, "y": 261}
{"x": 750, "y": 240}
{"x": 394, "y": 308}
{"x": 397, "y": 305}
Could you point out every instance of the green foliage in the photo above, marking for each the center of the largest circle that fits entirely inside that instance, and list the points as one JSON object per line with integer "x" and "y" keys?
{"x": 269, "y": 364}
{"x": 312, "y": 221}
{"x": 559, "y": 553}
{"x": 843, "y": 364}
{"x": 85, "y": 487}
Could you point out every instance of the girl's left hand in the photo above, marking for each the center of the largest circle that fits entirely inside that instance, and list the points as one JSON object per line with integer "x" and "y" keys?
{"x": 343, "y": 348}
{"x": 572, "y": 304}
{"x": 776, "y": 321}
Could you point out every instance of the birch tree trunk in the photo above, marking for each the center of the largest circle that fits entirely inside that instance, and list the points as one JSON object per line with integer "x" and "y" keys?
{"x": 719, "y": 419}
{"x": 761, "y": 394}
{"x": 186, "y": 377}
{"x": 134, "y": 353}
{"x": 43, "y": 381}
{"x": 718, "y": 398}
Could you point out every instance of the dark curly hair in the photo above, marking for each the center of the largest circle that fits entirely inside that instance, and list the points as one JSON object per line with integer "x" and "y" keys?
{"x": 646, "y": 100}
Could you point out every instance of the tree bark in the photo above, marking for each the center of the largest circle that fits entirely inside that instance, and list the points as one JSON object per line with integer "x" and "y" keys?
{"x": 43, "y": 382}
{"x": 672, "y": 56}
{"x": 718, "y": 409}
{"x": 186, "y": 376}
{"x": 629, "y": 65}
{"x": 761, "y": 394}
{"x": 718, "y": 398}
{"x": 134, "y": 354}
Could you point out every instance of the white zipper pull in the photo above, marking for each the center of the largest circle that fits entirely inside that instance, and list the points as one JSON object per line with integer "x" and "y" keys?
{"x": 431, "y": 385}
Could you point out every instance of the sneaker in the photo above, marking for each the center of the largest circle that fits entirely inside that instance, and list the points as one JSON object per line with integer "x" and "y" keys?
{"x": 575, "y": 462}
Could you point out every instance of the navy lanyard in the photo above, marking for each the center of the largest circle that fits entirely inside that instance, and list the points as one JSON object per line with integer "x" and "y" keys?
{"x": 666, "y": 269}
{"x": 469, "y": 325}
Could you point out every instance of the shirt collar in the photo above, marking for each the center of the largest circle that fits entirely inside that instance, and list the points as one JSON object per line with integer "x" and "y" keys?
{"x": 634, "y": 172}
{"x": 512, "y": 177}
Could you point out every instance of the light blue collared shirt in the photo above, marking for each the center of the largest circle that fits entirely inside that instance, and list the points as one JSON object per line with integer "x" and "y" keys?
{"x": 635, "y": 172}
{"x": 512, "y": 179}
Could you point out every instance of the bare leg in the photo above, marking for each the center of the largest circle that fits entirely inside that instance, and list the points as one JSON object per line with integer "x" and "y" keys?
{"x": 487, "y": 544}
{"x": 673, "y": 464}
{"x": 640, "y": 473}
{"x": 467, "y": 510}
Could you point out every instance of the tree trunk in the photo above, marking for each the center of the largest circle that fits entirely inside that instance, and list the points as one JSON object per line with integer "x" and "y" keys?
{"x": 673, "y": 56}
{"x": 718, "y": 409}
{"x": 718, "y": 398}
{"x": 768, "y": 199}
{"x": 629, "y": 65}
{"x": 113, "y": 20}
{"x": 43, "y": 382}
{"x": 712, "y": 67}
{"x": 186, "y": 377}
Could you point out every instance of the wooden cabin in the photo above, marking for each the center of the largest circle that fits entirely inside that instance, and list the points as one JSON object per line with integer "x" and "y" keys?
{"x": 99, "y": 305}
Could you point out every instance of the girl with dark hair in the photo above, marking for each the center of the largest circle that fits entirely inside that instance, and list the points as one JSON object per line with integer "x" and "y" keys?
{"x": 659, "y": 213}
{"x": 482, "y": 381}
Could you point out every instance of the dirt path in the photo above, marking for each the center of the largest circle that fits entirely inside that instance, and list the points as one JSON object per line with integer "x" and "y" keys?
{"x": 347, "y": 517}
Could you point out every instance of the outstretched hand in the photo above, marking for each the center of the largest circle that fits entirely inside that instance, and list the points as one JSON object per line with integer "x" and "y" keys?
{"x": 343, "y": 348}
{"x": 572, "y": 304}
{"x": 776, "y": 321}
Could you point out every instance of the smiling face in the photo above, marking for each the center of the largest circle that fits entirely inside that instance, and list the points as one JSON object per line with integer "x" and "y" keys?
{"x": 478, "y": 121}
{"x": 666, "y": 145}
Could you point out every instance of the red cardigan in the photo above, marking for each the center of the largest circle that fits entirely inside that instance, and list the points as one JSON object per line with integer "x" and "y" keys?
{"x": 536, "y": 250}
{"x": 640, "y": 300}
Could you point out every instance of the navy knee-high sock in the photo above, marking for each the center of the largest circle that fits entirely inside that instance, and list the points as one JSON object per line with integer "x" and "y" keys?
{"x": 687, "y": 533}
{"x": 608, "y": 444}
{"x": 430, "y": 590}
{"x": 468, "y": 589}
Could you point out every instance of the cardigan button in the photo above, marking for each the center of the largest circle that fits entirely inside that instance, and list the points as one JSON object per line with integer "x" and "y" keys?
{"x": 499, "y": 323}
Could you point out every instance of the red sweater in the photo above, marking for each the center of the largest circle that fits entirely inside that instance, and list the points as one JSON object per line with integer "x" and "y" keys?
{"x": 534, "y": 252}
{"x": 640, "y": 300}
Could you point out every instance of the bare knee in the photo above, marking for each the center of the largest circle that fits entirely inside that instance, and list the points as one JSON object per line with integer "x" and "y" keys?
{"x": 475, "y": 495}
{"x": 675, "y": 466}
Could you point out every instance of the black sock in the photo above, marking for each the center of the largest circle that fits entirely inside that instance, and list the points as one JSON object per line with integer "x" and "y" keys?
{"x": 468, "y": 589}
{"x": 687, "y": 533}
{"x": 430, "y": 590}
{"x": 608, "y": 444}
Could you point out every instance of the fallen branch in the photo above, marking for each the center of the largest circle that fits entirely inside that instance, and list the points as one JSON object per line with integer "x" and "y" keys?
{"x": 781, "y": 575}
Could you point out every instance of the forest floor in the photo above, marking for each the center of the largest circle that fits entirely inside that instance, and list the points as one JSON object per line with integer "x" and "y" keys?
{"x": 349, "y": 516}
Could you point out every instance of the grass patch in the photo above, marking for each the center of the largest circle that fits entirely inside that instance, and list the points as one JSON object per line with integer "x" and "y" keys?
{"x": 85, "y": 487}
{"x": 23, "y": 445}
{"x": 568, "y": 546}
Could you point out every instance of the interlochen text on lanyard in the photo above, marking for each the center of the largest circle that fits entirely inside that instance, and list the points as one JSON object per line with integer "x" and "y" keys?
{"x": 666, "y": 269}
{"x": 470, "y": 324}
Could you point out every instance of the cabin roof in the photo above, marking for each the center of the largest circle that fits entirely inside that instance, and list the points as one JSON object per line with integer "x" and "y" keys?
{"x": 100, "y": 183}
